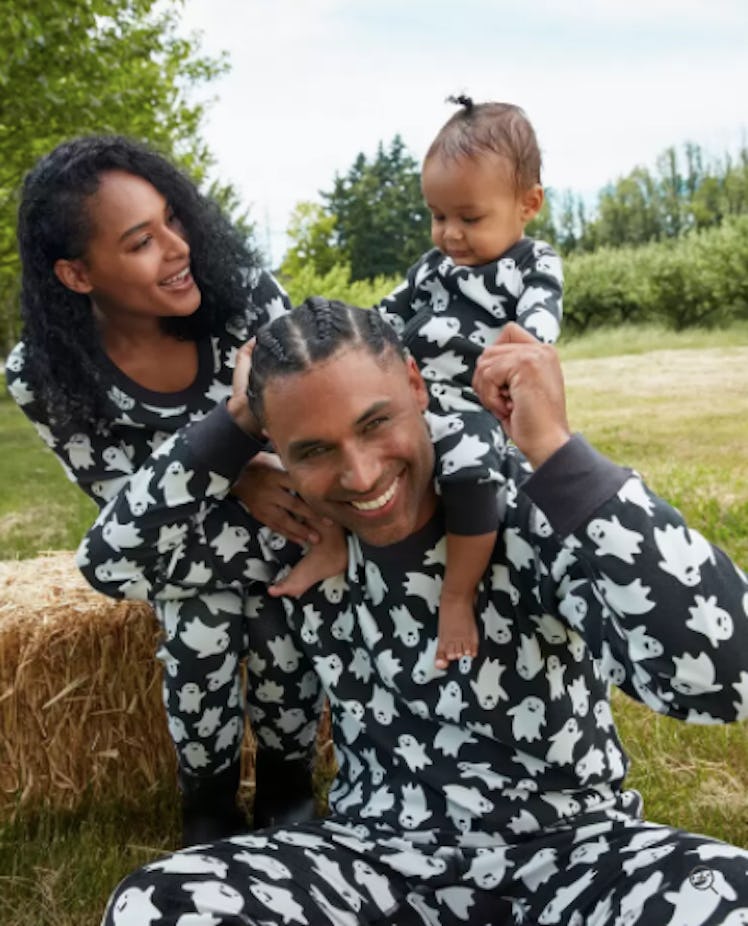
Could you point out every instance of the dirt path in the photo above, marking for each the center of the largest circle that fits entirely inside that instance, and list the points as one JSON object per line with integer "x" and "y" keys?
{"x": 713, "y": 374}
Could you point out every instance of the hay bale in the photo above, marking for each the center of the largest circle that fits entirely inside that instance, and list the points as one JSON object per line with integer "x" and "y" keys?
{"x": 80, "y": 691}
{"x": 81, "y": 713}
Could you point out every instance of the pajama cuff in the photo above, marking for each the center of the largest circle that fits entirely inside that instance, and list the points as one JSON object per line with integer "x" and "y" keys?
{"x": 573, "y": 483}
{"x": 220, "y": 445}
{"x": 470, "y": 508}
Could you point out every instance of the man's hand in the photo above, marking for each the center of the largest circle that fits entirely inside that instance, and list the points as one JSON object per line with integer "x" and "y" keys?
{"x": 266, "y": 490}
{"x": 520, "y": 381}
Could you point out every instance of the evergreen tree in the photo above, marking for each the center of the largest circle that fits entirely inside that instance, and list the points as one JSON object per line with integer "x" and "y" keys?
{"x": 381, "y": 222}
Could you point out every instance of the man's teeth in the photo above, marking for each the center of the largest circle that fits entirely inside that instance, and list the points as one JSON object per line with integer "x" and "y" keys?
{"x": 377, "y": 502}
{"x": 178, "y": 277}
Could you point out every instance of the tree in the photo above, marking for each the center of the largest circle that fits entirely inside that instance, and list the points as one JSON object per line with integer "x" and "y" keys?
{"x": 381, "y": 222}
{"x": 70, "y": 67}
{"x": 629, "y": 211}
{"x": 311, "y": 231}
{"x": 683, "y": 193}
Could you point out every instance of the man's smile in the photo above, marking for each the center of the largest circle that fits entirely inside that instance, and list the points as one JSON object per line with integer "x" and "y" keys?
{"x": 380, "y": 501}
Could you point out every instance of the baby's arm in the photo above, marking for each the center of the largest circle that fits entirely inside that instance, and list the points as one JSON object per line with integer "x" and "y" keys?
{"x": 400, "y": 305}
{"x": 540, "y": 304}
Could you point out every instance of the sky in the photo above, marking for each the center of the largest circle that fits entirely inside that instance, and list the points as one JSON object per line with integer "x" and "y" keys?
{"x": 608, "y": 85}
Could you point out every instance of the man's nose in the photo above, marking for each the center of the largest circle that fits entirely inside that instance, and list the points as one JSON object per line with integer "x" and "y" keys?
{"x": 360, "y": 471}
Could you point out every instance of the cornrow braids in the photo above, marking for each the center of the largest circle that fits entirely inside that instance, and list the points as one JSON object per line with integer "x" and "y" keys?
{"x": 310, "y": 334}
{"x": 63, "y": 351}
{"x": 495, "y": 128}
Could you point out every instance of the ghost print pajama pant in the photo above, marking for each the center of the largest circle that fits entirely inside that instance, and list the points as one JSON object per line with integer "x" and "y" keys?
{"x": 602, "y": 872}
{"x": 206, "y": 637}
{"x": 207, "y": 632}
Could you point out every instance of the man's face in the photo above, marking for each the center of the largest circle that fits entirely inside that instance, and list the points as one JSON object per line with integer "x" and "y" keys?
{"x": 351, "y": 434}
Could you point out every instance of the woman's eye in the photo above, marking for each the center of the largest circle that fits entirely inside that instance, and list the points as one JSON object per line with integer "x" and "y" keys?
{"x": 142, "y": 242}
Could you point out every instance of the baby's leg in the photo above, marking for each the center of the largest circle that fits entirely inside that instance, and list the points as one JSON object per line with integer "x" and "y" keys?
{"x": 468, "y": 557}
{"x": 322, "y": 560}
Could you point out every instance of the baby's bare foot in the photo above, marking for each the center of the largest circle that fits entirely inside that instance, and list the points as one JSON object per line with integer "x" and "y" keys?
{"x": 322, "y": 561}
{"x": 458, "y": 633}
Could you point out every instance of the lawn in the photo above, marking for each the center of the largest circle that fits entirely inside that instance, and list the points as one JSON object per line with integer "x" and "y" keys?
{"x": 673, "y": 407}
{"x": 678, "y": 413}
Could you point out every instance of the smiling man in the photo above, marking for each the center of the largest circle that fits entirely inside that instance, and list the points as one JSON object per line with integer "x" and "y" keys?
{"x": 490, "y": 791}
{"x": 355, "y": 439}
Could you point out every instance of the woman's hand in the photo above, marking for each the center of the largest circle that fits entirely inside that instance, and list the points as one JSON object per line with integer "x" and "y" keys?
{"x": 238, "y": 404}
{"x": 265, "y": 489}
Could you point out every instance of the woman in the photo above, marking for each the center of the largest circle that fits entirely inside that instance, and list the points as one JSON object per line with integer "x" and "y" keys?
{"x": 137, "y": 297}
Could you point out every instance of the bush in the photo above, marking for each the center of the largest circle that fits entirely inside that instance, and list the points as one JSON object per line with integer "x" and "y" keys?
{"x": 337, "y": 284}
{"x": 608, "y": 287}
{"x": 699, "y": 279}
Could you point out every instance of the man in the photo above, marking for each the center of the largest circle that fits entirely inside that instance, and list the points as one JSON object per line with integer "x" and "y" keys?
{"x": 491, "y": 791}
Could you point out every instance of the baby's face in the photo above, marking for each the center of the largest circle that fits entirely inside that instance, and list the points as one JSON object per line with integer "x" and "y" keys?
{"x": 476, "y": 211}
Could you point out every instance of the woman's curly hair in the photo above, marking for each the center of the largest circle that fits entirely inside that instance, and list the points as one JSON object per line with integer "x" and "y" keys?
{"x": 63, "y": 350}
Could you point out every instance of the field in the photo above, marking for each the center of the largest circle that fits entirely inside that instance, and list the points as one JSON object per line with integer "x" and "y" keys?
{"x": 673, "y": 407}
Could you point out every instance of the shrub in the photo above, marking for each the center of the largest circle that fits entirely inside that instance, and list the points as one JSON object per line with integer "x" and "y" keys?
{"x": 699, "y": 279}
{"x": 337, "y": 284}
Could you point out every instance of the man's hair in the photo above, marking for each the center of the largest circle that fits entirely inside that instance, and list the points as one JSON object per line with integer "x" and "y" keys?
{"x": 497, "y": 128}
{"x": 313, "y": 332}
{"x": 63, "y": 352}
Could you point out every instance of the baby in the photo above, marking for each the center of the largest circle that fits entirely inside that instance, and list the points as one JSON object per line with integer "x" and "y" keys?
{"x": 481, "y": 182}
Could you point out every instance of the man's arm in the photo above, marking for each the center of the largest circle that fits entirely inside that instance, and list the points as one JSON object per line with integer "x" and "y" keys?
{"x": 663, "y": 611}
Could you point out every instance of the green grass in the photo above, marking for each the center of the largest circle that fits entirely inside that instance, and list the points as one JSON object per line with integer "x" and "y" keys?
{"x": 40, "y": 509}
{"x": 690, "y": 776}
{"x": 673, "y": 406}
{"x": 58, "y": 870}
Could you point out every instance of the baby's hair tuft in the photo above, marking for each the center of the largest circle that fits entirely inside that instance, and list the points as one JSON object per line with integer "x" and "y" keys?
{"x": 502, "y": 129}
{"x": 463, "y": 100}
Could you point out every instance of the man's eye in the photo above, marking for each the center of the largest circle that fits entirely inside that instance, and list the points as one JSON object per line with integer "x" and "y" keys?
{"x": 311, "y": 452}
{"x": 375, "y": 423}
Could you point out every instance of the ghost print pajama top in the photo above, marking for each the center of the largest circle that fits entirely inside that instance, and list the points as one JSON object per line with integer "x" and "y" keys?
{"x": 492, "y": 791}
{"x": 446, "y": 315}
{"x": 129, "y": 465}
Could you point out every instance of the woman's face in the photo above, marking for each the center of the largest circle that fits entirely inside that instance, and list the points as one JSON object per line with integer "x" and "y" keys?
{"x": 137, "y": 261}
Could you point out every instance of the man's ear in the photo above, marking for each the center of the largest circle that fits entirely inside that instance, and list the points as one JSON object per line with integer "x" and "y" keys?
{"x": 72, "y": 274}
{"x": 417, "y": 384}
{"x": 532, "y": 202}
